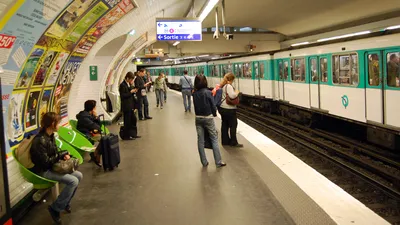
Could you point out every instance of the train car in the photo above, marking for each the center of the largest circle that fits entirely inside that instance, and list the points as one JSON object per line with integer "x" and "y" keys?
{"x": 357, "y": 80}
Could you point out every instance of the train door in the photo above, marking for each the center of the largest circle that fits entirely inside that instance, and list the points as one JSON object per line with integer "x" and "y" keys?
{"x": 256, "y": 79}
{"x": 374, "y": 87}
{"x": 314, "y": 73}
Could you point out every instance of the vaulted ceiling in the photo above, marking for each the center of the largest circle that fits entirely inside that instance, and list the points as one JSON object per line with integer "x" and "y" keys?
{"x": 301, "y": 17}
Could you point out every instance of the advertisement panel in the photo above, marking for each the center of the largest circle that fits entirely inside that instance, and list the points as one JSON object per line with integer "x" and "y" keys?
{"x": 31, "y": 122}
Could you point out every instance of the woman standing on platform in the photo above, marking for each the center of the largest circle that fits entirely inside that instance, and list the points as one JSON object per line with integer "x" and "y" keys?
{"x": 205, "y": 111}
{"x": 44, "y": 155}
{"x": 160, "y": 88}
{"x": 228, "y": 112}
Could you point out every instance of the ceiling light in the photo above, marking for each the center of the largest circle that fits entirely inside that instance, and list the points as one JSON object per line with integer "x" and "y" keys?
{"x": 176, "y": 43}
{"x": 132, "y": 32}
{"x": 344, "y": 36}
{"x": 393, "y": 27}
{"x": 210, "y": 5}
{"x": 302, "y": 43}
{"x": 201, "y": 56}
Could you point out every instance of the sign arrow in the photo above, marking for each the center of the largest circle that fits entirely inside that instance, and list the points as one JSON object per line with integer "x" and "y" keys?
{"x": 165, "y": 25}
{"x": 159, "y": 37}
{"x": 159, "y": 24}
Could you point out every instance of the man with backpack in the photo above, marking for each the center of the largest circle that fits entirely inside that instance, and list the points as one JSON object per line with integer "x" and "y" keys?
{"x": 186, "y": 85}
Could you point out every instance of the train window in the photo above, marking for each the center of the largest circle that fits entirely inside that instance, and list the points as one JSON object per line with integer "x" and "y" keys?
{"x": 226, "y": 68}
{"x": 323, "y": 68}
{"x": 280, "y": 70}
{"x": 345, "y": 69}
{"x": 256, "y": 70}
{"x": 216, "y": 70}
{"x": 247, "y": 70}
{"x": 201, "y": 70}
{"x": 298, "y": 70}
{"x": 285, "y": 70}
{"x": 239, "y": 71}
{"x": 313, "y": 70}
{"x": 166, "y": 72}
{"x": 262, "y": 70}
{"x": 393, "y": 69}
{"x": 373, "y": 70}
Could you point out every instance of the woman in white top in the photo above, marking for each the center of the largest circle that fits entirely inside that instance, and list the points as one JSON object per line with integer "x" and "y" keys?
{"x": 228, "y": 112}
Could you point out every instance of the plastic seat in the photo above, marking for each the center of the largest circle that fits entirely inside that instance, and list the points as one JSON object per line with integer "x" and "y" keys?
{"x": 76, "y": 140}
{"x": 67, "y": 147}
{"x": 41, "y": 182}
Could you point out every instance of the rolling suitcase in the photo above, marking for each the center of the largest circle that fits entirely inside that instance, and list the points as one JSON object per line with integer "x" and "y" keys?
{"x": 110, "y": 150}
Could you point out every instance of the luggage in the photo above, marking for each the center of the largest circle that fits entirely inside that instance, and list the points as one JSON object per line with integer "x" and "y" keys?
{"x": 122, "y": 131}
{"x": 23, "y": 152}
{"x": 109, "y": 144}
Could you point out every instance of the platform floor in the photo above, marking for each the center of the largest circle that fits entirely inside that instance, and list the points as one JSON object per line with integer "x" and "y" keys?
{"x": 161, "y": 181}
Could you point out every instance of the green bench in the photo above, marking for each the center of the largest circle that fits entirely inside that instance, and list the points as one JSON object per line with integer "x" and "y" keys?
{"x": 76, "y": 140}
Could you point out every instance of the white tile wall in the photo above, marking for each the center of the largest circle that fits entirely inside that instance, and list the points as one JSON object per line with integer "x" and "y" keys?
{"x": 142, "y": 20}
{"x": 18, "y": 187}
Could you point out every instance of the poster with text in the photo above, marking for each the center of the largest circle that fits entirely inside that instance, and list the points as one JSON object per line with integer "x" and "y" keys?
{"x": 68, "y": 18}
{"x": 87, "y": 21}
{"x": 15, "y": 128}
{"x": 31, "y": 122}
{"x": 61, "y": 93}
{"x": 56, "y": 68}
{"x": 27, "y": 23}
{"x": 6, "y": 97}
{"x": 44, "y": 67}
{"x": 29, "y": 68}
{"x": 103, "y": 25}
{"x": 44, "y": 103}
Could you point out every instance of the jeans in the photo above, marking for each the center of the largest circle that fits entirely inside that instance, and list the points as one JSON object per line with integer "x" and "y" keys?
{"x": 229, "y": 126}
{"x": 71, "y": 181}
{"x": 209, "y": 125}
{"x": 165, "y": 95}
{"x": 160, "y": 96}
{"x": 143, "y": 101}
{"x": 187, "y": 99}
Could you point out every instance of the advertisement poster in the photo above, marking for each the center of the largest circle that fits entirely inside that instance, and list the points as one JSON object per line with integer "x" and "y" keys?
{"x": 29, "y": 69}
{"x": 6, "y": 97}
{"x": 27, "y": 24}
{"x": 61, "y": 93}
{"x": 44, "y": 67}
{"x": 31, "y": 122}
{"x": 55, "y": 70}
{"x": 68, "y": 18}
{"x": 87, "y": 21}
{"x": 15, "y": 128}
{"x": 44, "y": 103}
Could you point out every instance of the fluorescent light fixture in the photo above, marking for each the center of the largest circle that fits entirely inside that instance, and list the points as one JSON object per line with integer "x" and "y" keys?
{"x": 176, "y": 43}
{"x": 393, "y": 27}
{"x": 201, "y": 56}
{"x": 302, "y": 43}
{"x": 138, "y": 59}
{"x": 132, "y": 32}
{"x": 210, "y": 5}
{"x": 344, "y": 36}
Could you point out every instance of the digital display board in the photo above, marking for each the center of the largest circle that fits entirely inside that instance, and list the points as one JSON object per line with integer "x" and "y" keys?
{"x": 170, "y": 29}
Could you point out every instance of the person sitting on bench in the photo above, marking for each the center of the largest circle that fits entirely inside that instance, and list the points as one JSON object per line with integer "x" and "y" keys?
{"x": 44, "y": 154}
{"x": 89, "y": 125}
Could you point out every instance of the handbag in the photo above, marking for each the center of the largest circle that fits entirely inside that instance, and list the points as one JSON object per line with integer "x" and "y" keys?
{"x": 66, "y": 166}
{"x": 230, "y": 101}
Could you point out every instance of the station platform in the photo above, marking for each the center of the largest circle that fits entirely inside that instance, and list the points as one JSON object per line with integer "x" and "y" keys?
{"x": 161, "y": 181}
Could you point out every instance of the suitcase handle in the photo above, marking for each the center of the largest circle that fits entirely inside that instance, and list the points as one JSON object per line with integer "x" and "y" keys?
{"x": 104, "y": 123}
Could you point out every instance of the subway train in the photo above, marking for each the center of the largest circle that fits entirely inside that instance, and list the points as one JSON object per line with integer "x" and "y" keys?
{"x": 356, "y": 80}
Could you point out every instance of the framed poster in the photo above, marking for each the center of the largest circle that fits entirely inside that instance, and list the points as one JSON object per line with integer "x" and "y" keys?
{"x": 31, "y": 121}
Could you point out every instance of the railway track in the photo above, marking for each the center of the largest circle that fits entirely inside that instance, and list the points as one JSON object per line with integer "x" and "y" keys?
{"x": 361, "y": 170}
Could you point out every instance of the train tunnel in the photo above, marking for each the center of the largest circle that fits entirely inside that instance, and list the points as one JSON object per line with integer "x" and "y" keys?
{"x": 56, "y": 54}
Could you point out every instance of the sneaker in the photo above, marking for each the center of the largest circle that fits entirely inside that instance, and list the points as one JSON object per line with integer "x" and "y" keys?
{"x": 161, "y": 107}
{"x": 221, "y": 164}
{"x": 157, "y": 105}
{"x": 54, "y": 215}
{"x": 205, "y": 165}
